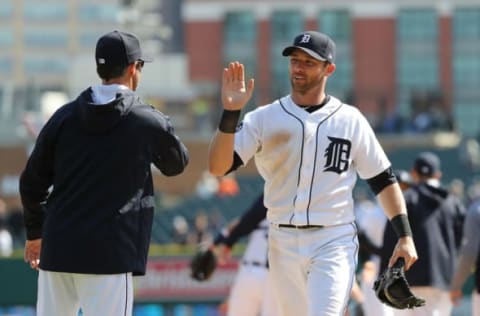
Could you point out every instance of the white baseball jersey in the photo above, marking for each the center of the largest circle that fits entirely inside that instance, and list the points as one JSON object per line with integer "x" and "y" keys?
{"x": 330, "y": 146}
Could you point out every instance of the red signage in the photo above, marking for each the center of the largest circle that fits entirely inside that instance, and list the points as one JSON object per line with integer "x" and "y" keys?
{"x": 169, "y": 279}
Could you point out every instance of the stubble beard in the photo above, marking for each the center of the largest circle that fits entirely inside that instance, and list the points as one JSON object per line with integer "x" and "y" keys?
{"x": 304, "y": 88}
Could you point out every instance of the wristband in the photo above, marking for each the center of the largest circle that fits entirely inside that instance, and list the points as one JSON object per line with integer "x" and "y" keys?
{"x": 229, "y": 121}
{"x": 401, "y": 226}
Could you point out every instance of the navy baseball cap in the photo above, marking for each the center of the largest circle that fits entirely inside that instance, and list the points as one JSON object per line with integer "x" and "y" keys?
{"x": 426, "y": 164}
{"x": 119, "y": 49}
{"x": 316, "y": 44}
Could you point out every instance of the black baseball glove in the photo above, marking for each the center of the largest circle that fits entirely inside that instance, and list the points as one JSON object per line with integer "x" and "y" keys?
{"x": 203, "y": 265}
{"x": 392, "y": 288}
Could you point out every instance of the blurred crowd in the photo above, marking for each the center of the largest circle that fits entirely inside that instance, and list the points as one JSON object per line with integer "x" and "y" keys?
{"x": 12, "y": 233}
{"x": 438, "y": 212}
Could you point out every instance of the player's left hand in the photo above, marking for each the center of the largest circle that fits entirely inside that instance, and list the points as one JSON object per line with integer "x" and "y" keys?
{"x": 223, "y": 253}
{"x": 32, "y": 252}
{"x": 405, "y": 249}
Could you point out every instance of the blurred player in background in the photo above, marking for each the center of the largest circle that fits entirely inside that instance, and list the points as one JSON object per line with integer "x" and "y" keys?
{"x": 250, "y": 294}
{"x": 436, "y": 216}
{"x": 469, "y": 259}
{"x": 371, "y": 221}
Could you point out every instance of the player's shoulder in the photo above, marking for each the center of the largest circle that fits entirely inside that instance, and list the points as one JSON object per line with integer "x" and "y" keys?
{"x": 351, "y": 113}
{"x": 346, "y": 108}
{"x": 264, "y": 111}
{"x": 61, "y": 114}
{"x": 268, "y": 107}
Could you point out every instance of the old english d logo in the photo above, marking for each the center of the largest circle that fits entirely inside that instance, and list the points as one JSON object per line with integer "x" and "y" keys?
{"x": 337, "y": 154}
{"x": 306, "y": 38}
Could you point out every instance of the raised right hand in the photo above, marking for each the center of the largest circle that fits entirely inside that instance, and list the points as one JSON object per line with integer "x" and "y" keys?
{"x": 235, "y": 95}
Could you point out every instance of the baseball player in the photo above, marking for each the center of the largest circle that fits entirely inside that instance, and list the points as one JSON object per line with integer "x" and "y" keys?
{"x": 469, "y": 258}
{"x": 87, "y": 188}
{"x": 371, "y": 222}
{"x": 250, "y": 294}
{"x": 308, "y": 147}
{"x": 437, "y": 218}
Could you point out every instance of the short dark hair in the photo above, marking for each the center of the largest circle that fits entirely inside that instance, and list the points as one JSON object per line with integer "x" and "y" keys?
{"x": 107, "y": 72}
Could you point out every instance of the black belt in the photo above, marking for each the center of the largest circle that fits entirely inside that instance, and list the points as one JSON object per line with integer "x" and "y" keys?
{"x": 255, "y": 263}
{"x": 300, "y": 226}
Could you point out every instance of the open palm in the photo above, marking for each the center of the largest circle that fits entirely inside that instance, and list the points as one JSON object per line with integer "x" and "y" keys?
{"x": 235, "y": 94}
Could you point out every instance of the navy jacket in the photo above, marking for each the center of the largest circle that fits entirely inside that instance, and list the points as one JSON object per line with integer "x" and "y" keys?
{"x": 87, "y": 188}
{"x": 436, "y": 217}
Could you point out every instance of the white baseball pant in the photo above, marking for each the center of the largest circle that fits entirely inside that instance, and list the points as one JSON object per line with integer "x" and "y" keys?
{"x": 251, "y": 293}
{"x": 313, "y": 270}
{"x": 63, "y": 294}
{"x": 475, "y": 303}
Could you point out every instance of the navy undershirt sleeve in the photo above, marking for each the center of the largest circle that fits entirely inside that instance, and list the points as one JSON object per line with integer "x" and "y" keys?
{"x": 237, "y": 163}
{"x": 248, "y": 222}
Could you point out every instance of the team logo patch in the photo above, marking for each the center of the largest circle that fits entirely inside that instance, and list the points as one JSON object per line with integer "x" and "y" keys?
{"x": 239, "y": 126}
{"x": 337, "y": 155}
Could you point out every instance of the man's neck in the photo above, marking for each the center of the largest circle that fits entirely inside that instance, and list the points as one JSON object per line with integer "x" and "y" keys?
{"x": 118, "y": 81}
{"x": 313, "y": 96}
{"x": 306, "y": 100}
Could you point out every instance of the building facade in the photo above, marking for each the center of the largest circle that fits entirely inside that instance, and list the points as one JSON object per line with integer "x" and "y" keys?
{"x": 48, "y": 46}
{"x": 395, "y": 59}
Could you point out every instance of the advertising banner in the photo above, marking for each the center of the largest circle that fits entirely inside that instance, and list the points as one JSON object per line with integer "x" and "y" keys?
{"x": 169, "y": 280}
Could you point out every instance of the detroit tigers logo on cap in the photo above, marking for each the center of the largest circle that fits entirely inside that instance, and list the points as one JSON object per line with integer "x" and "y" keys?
{"x": 316, "y": 44}
{"x": 306, "y": 38}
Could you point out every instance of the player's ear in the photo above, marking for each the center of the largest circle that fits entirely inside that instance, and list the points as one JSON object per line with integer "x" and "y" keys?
{"x": 132, "y": 68}
{"x": 330, "y": 68}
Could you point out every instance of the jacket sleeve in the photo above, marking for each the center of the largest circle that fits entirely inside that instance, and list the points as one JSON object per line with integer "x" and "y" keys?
{"x": 35, "y": 181}
{"x": 170, "y": 154}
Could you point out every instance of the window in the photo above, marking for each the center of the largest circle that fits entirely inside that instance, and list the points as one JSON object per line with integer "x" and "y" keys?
{"x": 45, "y": 65}
{"x": 89, "y": 39}
{"x": 417, "y": 55}
{"x": 38, "y": 11}
{"x": 466, "y": 68}
{"x": 240, "y": 41}
{"x": 6, "y": 65}
{"x": 107, "y": 12}
{"x": 285, "y": 26}
{"x": 51, "y": 37}
{"x": 6, "y": 10}
{"x": 6, "y": 38}
{"x": 337, "y": 24}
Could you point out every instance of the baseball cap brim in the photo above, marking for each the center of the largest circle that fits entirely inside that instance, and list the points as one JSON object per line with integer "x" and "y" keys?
{"x": 288, "y": 51}
{"x": 146, "y": 58}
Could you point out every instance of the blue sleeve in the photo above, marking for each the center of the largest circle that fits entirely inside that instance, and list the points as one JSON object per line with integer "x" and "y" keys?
{"x": 37, "y": 177}
{"x": 248, "y": 222}
{"x": 170, "y": 154}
